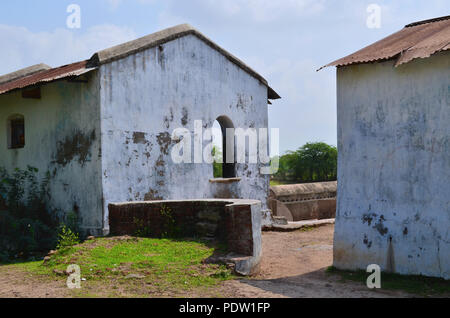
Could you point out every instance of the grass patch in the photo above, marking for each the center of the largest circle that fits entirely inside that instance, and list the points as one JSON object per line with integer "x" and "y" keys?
{"x": 419, "y": 285}
{"x": 307, "y": 228}
{"x": 278, "y": 183}
{"x": 159, "y": 264}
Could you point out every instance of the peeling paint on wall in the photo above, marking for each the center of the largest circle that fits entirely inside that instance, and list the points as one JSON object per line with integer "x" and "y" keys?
{"x": 185, "y": 81}
{"x": 63, "y": 138}
{"x": 139, "y": 138}
{"x": 76, "y": 146}
{"x": 393, "y": 194}
{"x": 185, "y": 118}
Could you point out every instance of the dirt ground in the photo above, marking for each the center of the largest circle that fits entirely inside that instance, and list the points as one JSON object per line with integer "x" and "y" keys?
{"x": 294, "y": 265}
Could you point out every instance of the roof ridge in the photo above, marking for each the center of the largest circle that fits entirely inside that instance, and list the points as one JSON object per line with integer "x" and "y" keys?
{"x": 427, "y": 21}
{"x": 166, "y": 35}
{"x": 131, "y": 47}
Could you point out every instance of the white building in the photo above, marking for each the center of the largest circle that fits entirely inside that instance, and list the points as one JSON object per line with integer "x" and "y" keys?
{"x": 103, "y": 127}
{"x": 394, "y": 153}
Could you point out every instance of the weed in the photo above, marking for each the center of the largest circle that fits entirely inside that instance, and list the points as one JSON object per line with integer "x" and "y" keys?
{"x": 67, "y": 238}
{"x": 169, "y": 230}
{"x": 27, "y": 227}
{"x": 142, "y": 229}
{"x": 419, "y": 285}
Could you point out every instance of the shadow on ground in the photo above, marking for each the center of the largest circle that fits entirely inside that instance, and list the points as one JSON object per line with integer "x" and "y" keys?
{"x": 316, "y": 284}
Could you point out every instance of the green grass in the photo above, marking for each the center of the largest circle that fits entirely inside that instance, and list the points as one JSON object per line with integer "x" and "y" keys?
{"x": 277, "y": 183}
{"x": 419, "y": 285}
{"x": 162, "y": 263}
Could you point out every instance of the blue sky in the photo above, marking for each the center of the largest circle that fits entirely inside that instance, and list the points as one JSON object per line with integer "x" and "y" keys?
{"x": 283, "y": 40}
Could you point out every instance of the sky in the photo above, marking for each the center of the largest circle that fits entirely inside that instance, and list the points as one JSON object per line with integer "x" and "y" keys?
{"x": 285, "y": 41}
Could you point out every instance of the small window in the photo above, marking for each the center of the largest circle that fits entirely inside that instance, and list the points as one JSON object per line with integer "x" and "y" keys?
{"x": 16, "y": 132}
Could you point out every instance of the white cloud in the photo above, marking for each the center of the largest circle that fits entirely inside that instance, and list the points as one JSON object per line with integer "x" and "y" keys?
{"x": 58, "y": 47}
{"x": 114, "y": 4}
{"x": 235, "y": 12}
{"x": 309, "y": 97}
{"x": 269, "y": 10}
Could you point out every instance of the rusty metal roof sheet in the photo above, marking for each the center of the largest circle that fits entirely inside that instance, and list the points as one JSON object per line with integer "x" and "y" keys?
{"x": 417, "y": 40}
{"x": 23, "y": 72}
{"x": 123, "y": 50}
{"x": 46, "y": 76}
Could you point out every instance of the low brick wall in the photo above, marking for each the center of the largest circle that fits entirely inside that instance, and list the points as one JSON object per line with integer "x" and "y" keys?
{"x": 235, "y": 222}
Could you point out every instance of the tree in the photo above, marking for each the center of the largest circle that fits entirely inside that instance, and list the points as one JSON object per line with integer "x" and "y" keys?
{"x": 286, "y": 166}
{"x": 314, "y": 162}
{"x": 217, "y": 165}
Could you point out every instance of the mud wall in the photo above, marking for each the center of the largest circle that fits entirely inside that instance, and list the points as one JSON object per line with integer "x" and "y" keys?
{"x": 145, "y": 96}
{"x": 394, "y": 167}
{"x": 62, "y": 136}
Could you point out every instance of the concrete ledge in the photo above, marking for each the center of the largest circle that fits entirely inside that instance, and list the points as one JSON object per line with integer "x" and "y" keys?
{"x": 234, "y": 222}
{"x": 295, "y": 226}
{"x": 225, "y": 180}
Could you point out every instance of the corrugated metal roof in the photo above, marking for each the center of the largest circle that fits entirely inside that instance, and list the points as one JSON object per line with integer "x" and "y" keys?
{"x": 417, "y": 40}
{"x": 66, "y": 71}
{"x": 123, "y": 50}
{"x": 23, "y": 72}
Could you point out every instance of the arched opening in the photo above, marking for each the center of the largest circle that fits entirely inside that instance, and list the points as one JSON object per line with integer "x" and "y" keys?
{"x": 16, "y": 131}
{"x": 223, "y": 168}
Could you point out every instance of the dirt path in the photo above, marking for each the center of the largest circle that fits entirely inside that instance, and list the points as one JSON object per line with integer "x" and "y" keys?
{"x": 294, "y": 265}
{"x": 17, "y": 284}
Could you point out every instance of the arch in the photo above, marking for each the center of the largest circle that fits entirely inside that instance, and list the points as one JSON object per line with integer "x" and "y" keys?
{"x": 16, "y": 131}
{"x": 228, "y": 168}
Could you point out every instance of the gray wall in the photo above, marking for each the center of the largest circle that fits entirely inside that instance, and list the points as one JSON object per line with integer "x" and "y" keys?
{"x": 394, "y": 167}
{"x": 62, "y": 136}
{"x": 145, "y": 96}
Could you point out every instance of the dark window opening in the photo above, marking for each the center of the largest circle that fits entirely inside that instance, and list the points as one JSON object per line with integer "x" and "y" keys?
{"x": 225, "y": 169}
{"x": 16, "y": 133}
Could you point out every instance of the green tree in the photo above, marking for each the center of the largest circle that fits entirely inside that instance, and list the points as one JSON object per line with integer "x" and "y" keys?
{"x": 314, "y": 162}
{"x": 217, "y": 165}
{"x": 286, "y": 167}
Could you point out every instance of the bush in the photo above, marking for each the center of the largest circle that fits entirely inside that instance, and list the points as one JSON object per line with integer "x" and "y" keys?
{"x": 26, "y": 225}
{"x": 67, "y": 238}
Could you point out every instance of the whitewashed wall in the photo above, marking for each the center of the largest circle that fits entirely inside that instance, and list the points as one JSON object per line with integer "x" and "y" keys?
{"x": 145, "y": 96}
{"x": 62, "y": 136}
{"x": 394, "y": 167}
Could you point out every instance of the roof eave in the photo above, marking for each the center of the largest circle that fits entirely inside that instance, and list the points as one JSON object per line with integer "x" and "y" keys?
{"x": 272, "y": 94}
{"x": 57, "y": 77}
{"x": 416, "y": 40}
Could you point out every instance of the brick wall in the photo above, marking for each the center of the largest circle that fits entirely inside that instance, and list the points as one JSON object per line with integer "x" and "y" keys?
{"x": 228, "y": 221}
